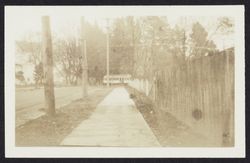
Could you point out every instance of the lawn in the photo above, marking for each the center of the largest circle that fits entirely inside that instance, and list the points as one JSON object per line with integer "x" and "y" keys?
{"x": 47, "y": 131}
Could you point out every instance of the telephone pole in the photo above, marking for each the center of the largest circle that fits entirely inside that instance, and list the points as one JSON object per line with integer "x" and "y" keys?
{"x": 48, "y": 66}
{"x": 107, "y": 53}
{"x": 84, "y": 59}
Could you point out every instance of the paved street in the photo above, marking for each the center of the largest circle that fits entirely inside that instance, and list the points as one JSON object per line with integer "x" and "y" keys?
{"x": 30, "y": 103}
{"x": 115, "y": 122}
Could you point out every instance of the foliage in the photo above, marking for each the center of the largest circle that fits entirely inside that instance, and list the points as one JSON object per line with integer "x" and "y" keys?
{"x": 225, "y": 25}
{"x": 38, "y": 74}
{"x": 123, "y": 38}
{"x": 30, "y": 46}
{"x": 200, "y": 44}
{"x": 96, "y": 51}
{"x": 68, "y": 59}
{"x": 141, "y": 46}
{"x": 68, "y": 55}
{"x": 161, "y": 46}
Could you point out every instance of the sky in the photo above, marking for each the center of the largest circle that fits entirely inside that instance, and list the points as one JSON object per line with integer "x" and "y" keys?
{"x": 66, "y": 20}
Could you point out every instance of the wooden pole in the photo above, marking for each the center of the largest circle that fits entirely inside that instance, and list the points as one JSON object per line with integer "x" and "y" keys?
{"x": 48, "y": 66}
{"x": 107, "y": 53}
{"x": 84, "y": 57}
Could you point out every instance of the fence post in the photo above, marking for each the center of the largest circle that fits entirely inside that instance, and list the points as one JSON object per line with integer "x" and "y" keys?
{"x": 228, "y": 107}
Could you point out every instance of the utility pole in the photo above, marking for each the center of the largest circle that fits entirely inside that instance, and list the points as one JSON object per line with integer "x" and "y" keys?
{"x": 107, "y": 53}
{"x": 84, "y": 61}
{"x": 48, "y": 66}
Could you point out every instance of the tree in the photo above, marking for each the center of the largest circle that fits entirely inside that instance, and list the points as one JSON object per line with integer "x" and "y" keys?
{"x": 68, "y": 58}
{"x": 96, "y": 49}
{"x": 121, "y": 46}
{"x": 225, "y": 25}
{"x": 156, "y": 46}
{"x": 38, "y": 74}
{"x": 97, "y": 74}
{"x": 200, "y": 45}
{"x": 31, "y": 46}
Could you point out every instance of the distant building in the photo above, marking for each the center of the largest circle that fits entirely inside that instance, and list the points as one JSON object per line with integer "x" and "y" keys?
{"x": 19, "y": 78}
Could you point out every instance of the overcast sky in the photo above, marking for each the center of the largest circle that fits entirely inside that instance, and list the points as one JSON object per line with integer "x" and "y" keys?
{"x": 66, "y": 20}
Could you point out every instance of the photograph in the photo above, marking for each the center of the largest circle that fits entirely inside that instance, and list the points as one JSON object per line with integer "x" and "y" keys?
{"x": 157, "y": 78}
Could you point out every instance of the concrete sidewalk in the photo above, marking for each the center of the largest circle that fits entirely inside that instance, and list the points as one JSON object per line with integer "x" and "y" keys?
{"x": 115, "y": 122}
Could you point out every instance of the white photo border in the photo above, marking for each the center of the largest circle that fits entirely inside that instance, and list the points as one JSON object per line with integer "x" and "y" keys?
{"x": 13, "y": 13}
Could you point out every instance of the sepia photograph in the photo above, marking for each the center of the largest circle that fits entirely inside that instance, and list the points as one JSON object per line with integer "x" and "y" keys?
{"x": 124, "y": 77}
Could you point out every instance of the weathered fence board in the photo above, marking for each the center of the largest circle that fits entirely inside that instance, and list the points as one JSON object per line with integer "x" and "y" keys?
{"x": 199, "y": 92}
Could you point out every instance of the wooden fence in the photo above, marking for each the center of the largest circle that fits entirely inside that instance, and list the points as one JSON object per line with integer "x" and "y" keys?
{"x": 199, "y": 92}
